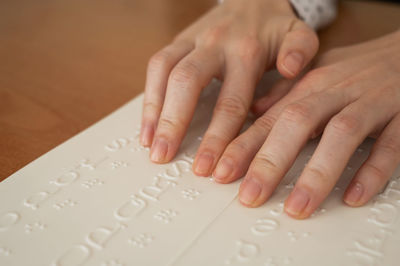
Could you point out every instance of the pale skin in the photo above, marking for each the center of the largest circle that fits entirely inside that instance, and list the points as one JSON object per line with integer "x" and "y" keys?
{"x": 236, "y": 41}
{"x": 351, "y": 93}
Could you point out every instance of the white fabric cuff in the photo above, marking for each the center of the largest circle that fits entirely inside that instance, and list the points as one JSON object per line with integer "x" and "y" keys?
{"x": 316, "y": 13}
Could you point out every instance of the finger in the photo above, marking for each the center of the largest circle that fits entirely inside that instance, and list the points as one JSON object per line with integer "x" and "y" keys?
{"x": 273, "y": 95}
{"x": 158, "y": 70}
{"x": 298, "y": 48}
{"x": 185, "y": 83}
{"x": 342, "y": 135}
{"x": 337, "y": 76}
{"x": 239, "y": 153}
{"x": 231, "y": 109}
{"x": 378, "y": 168}
{"x": 290, "y": 133}
{"x": 237, "y": 156}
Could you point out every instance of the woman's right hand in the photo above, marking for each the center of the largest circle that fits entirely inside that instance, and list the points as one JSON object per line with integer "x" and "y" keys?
{"x": 350, "y": 93}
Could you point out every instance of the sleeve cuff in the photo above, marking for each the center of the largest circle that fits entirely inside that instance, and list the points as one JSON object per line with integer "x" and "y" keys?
{"x": 316, "y": 13}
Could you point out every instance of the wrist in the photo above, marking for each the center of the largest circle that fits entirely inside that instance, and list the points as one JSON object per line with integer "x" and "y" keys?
{"x": 316, "y": 14}
{"x": 276, "y": 7}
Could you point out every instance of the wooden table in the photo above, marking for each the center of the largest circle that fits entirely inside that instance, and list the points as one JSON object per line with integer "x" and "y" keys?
{"x": 66, "y": 64}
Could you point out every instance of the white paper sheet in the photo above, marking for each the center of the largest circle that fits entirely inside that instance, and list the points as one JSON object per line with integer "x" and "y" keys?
{"x": 98, "y": 200}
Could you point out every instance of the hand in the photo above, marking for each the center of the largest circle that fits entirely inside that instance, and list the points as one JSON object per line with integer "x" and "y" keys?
{"x": 236, "y": 41}
{"x": 351, "y": 93}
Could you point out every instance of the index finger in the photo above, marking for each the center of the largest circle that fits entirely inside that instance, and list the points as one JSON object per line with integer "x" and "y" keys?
{"x": 158, "y": 70}
{"x": 185, "y": 83}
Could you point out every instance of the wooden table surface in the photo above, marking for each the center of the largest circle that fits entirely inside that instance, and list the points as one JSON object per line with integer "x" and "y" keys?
{"x": 66, "y": 64}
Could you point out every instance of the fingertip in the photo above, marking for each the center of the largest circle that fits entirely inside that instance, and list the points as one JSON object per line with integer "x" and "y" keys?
{"x": 254, "y": 191}
{"x": 161, "y": 151}
{"x": 146, "y": 135}
{"x": 353, "y": 195}
{"x": 224, "y": 170}
{"x": 298, "y": 48}
{"x": 297, "y": 202}
{"x": 203, "y": 164}
{"x": 249, "y": 192}
{"x": 301, "y": 216}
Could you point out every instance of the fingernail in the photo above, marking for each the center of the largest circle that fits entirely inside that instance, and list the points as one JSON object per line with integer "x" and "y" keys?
{"x": 146, "y": 135}
{"x": 159, "y": 150}
{"x": 250, "y": 191}
{"x": 297, "y": 201}
{"x": 204, "y": 163}
{"x": 354, "y": 194}
{"x": 293, "y": 62}
{"x": 224, "y": 169}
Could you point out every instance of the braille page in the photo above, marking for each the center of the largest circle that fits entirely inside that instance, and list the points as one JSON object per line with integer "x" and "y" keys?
{"x": 98, "y": 200}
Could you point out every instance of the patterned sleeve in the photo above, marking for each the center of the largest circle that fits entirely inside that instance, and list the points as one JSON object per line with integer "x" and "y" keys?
{"x": 315, "y": 13}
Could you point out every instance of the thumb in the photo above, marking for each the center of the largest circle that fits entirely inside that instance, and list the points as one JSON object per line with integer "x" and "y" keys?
{"x": 298, "y": 48}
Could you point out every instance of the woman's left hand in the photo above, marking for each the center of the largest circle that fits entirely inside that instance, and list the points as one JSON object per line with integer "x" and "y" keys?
{"x": 352, "y": 93}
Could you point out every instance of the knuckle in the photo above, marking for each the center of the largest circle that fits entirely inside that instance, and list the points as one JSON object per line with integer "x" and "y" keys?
{"x": 213, "y": 35}
{"x": 213, "y": 140}
{"x": 185, "y": 72}
{"x": 265, "y": 122}
{"x": 159, "y": 60}
{"x": 312, "y": 77}
{"x": 317, "y": 177}
{"x": 151, "y": 106}
{"x": 345, "y": 124}
{"x": 305, "y": 33}
{"x": 181, "y": 37}
{"x": 389, "y": 90}
{"x": 266, "y": 161}
{"x": 376, "y": 172}
{"x": 297, "y": 112}
{"x": 248, "y": 48}
{"x": 389, "y": 145}
{"x": 170, "y": 123}
{"x": 239, "y": 146}
{"x": 232, "y": 106}
{"x": 346, "y": 83}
